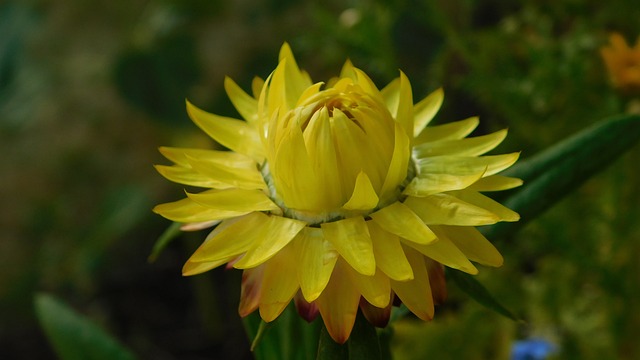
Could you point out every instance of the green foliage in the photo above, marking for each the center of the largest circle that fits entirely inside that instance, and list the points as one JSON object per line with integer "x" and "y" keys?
{"x": 75, "y": 337}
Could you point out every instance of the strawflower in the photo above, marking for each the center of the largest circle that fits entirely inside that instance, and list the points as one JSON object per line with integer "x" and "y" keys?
{"x": 623, "y": 63}
{"x": 338, "y": 196}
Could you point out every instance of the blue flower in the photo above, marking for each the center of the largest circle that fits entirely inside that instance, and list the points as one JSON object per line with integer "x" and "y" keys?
{"x": 532, "y": 349}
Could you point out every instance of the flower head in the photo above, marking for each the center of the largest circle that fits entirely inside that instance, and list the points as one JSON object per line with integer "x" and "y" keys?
{"x": 623, "y": 63}
{"x": 338, "y": 196}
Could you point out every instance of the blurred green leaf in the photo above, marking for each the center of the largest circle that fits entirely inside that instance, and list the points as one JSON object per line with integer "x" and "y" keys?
{"x": 169, "y": 234}
{"x": 479, "y": 293}
{"x": 329, "y": 349}
{"x": 555, "y": 172}
{"x": 74, "y": 336}
{"x": 289, "y": 337}
{"x": 364, "y": 343}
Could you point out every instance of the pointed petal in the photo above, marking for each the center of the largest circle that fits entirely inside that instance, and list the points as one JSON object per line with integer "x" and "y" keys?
{"x": 239, "y": 200}
{"x": 317, "y": 259}
{"x": 188, "y": 211}
{"x": 231, "y": 238}
{"x": 243, "y": 178}
{"x": 405, "y": 106}
{"x": 378, "y": 317}
{"x": 189, "y": 176}
{"x": 391, "y": 96}
{"x": 322, "y": 155}
{"x": 375, "y": 289}
{"x": 246, "y": 105}
{"x": 445, "y": 252}
{"x": 436, "y": 280}
{"x": 495, "y": 183}
{"x": 364, "y": 196}
{"x": 432, "y": 183}
{"x": 351, "y": 238}
{"x": 292, "y": 172}
{"x": 448, "y": 131}
{"x": 275, "y": 233}
{"x": 443, "y": 209}
{"x": 194, "y": 268}
{"x": 466, "y": 165}
{"x": 390, "y": 257}
{"x": 485, "y": 202}
{"x": 250, "y": 290}
{"x": 306, "y": 310}
{"x": 416, "y": 293}
{"x": 473, "y": 146}
{"x": 472, "y": 244}
{"x": 398, "y": 219}
{"x": 338, "y": 304}
{"x": 235, "y": 134}
{"x": 426, "y": 110}
{"x": 256, "y": 86}
{"x": 399, "y": 163}
{"x": 279, "y": 284}
{"x": 227, "y": 158}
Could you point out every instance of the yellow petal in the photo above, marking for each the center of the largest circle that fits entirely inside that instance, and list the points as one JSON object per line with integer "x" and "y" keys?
{"x": 194, "y": 268}
{"x": 322, "y": 155}
{"x": 405, "y": 106}
{"x": 472, "y": 244}
{"x": 246, "y": 105}
{"x": 275, "y": 233}
{"x": 399, "y": 163}
{"x": 445, "y": 252}
{"x": 188, "y": 211}
{"x": 351, "y": 239}
{"x": 231, "y": 238}
{"x": 375, "y": 289}
{"x": 317, "y": 259}
{"x": 354, "y": 152}
{"x": 432, "y": 183}
{"x": 226, "y": 158}
{"x": 338, "y": 304}
{"x": 256, "y": 86}
{"x": 293, "y": 174}
{"x": 390, "y": 257}
{"x": 466, "y": 165}
{"x": 189, "y": 176}
{"x": 391, "y": 95}
{"x": 250, "y": 290}
{"x": 364, "y": 196}
{"x": 482, "y": 201}
{"x": 495, "y": 183}
{"x": 463, "y": 147}
{"x": 398, "y": 219}
{"x": 279, "y": 284}
{"x": 448, "y": 131}
{"x": 443, "y": 209}
{"x": 416, "y": 293}
{"x": 366, "y": 83}
{"x": 426, "y": 109}
{"x": 235, "y": 134}
{"x": 234, "y": 200}
{"x": 237, "y": 177}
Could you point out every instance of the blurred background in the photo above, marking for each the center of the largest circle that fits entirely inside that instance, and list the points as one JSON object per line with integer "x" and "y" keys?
{"x": 89, "y": 90}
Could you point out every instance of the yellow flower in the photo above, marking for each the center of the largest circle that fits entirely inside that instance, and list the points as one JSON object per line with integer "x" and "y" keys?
{"x": 623, "y": 63}
{"x": 338, "y": 196}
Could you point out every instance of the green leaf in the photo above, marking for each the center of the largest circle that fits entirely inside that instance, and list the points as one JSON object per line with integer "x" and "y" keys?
{"x": 329, "y": 349}
{"x": 472, "y": 287}
{"x": 73, "y": 336}
{"x": 363, "y": 343}
{"x": 555, "y": 172}
{"x": 169, "y": 234}
{"x": 289, "y": 337}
